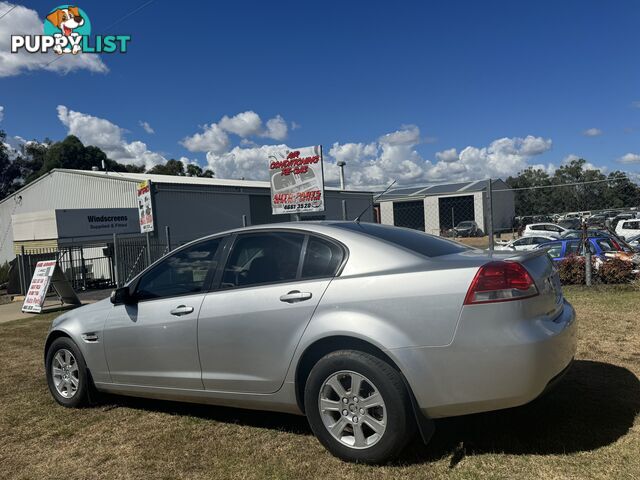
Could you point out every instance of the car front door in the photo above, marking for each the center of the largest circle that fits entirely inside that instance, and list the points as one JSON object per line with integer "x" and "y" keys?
{"x": 268, "y": 290}
{"x": 152, "y": 341}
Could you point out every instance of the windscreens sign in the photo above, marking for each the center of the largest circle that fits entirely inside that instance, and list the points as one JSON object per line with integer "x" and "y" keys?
{"x": 297, "y": 181}
{"x": 145, "y": 209}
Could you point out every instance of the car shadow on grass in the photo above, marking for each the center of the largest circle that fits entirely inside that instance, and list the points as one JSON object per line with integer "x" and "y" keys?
{"x": 593, "y": 406}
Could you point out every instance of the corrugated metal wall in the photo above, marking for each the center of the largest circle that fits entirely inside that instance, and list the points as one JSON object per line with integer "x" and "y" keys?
{"x": 64, "y": 190}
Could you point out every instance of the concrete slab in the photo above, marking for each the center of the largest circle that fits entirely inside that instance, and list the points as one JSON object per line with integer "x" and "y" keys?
{"x": 12, "y": 311}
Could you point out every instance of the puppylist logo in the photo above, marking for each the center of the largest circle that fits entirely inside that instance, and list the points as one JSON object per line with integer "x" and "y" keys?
{"x": 67, "y": 29}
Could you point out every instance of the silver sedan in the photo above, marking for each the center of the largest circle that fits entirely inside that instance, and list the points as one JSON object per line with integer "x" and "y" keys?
{"x": 371, "y": 331}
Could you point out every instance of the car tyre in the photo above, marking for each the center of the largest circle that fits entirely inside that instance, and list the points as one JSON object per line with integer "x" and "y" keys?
{"x": 369, "y": 425}
{"x": 67, "y": 375}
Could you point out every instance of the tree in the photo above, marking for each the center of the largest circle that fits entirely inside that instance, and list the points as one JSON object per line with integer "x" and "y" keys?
{"x": 176, "y": 167}
{"x": 572, "y": 187}
{"x": 10, "y": 179}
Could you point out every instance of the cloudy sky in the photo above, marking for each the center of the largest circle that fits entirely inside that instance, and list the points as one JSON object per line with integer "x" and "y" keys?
{"x": 421, "y": 93}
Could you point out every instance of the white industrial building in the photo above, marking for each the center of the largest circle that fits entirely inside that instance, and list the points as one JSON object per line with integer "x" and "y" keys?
{"x": 76, "y": 207}
{"x": 437, "y": 208}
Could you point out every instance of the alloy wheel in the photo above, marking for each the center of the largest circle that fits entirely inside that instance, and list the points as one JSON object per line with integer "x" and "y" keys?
{"x": 352, "y": 409}
{"x": 65, "y": 373}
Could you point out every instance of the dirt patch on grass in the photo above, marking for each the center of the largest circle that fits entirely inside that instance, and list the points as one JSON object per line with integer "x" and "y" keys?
{"x": 587, "y": 428}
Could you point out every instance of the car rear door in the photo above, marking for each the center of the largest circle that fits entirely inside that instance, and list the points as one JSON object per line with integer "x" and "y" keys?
{"x": 153, "y": 342}
{"x": 269, "y": 287}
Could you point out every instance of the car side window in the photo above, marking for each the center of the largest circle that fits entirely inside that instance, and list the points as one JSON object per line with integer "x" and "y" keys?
{"x": 261, "y": 258}
{"x": 321, "y": 258}
{"x": 183, "y": 272}
{"x": 555, "y": 251}
{"x": 522, "y": 241}
{"x": 572, "y": 248}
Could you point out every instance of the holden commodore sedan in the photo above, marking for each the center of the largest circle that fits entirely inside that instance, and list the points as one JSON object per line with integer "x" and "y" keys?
{"x": 371, "y": 331}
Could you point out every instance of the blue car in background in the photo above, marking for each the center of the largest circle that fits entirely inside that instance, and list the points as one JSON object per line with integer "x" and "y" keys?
{"x": 601, "y": 247}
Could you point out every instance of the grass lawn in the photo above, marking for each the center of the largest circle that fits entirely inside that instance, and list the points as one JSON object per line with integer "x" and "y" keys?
{"x": 587, "y": 428}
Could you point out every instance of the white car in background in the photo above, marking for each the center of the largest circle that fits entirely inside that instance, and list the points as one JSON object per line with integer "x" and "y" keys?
{"x": 547, "y": 229}
{"x": 628, "y": 228}
{"x": 525, "y": 243}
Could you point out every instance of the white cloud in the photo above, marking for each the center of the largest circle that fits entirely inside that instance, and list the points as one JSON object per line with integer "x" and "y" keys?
{"x": 243, "y": 124}
{"x": 249, "y": 163}
{"x": 407, "y": 135}
{"x": 146, "y": 127}
{"x": 1, "y": 112}
{"x": 629, "y": 158}
{"x": 394, "y": 157}
{"x": 448, "y": 156}
{"x": 276, "y": 128}
{"x": 109, "y": 137}
{"x": 212, "y": 139}
{"x": 592, "y": 132}
{"x": 25, "y": 21}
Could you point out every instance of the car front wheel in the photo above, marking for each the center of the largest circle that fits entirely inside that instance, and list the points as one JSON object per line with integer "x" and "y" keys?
{"x": 358, "y": 407}
{"x": 67, "y": 373}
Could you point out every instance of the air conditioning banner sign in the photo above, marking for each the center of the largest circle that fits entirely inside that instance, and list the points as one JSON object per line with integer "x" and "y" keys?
{"x": 297, "y": 181}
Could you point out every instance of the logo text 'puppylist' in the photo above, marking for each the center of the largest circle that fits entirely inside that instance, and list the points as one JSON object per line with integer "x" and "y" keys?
{"x": 67, "y": 29}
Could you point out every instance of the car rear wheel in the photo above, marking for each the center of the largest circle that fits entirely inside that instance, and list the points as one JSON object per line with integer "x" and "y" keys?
{"x": 358, "y": 407}
{"x": 67, "y": 373}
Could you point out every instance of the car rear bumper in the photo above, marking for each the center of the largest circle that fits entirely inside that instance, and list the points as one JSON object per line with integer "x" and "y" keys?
{"x": 494, "y": 361}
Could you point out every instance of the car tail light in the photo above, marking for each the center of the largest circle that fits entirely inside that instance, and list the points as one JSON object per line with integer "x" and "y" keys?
{"x": 500, "y": 281}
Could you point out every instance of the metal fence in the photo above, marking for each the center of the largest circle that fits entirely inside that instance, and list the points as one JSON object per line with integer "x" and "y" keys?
{"x": 96, "y": 265}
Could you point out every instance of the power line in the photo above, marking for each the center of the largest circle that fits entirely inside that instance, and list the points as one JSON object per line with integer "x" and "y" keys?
{"x": 624, "y": 177}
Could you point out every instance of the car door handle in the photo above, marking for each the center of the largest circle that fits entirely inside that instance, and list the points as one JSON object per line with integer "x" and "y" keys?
{"x": 181, "y": 310}
{"x": 295, "y": 296}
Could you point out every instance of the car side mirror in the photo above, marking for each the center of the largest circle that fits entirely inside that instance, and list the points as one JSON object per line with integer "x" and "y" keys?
{"x": 122, "y": 296}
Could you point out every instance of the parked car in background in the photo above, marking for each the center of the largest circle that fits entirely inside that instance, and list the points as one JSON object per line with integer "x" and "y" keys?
{"x": 599, "y": 221}
{"x": 369, "y": 330}
{"x": 570, "y": 223}
{"x": 634, "y": 242}
{"x": 550, "y": 229}
{"x": 524, "y": 243}
{"x": 467, "y": 228}
{"x": 628, "y": 228}
{"x": 590, "y": 233}
{"x": 619, "y": 218}
{"x": 600, "y": 247}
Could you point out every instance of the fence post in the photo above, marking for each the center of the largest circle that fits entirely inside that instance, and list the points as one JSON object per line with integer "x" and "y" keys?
{"x": 587, "y": 255}
{"x": 167, "y": 234}
{"x": 244, "y": 220}
{"x": 21, "y": 271}
{"x": 116, "y": 270}
{"x": 148, "y": 249}
{"x": 453, "y": 222}
{"x": 490, "y": 214}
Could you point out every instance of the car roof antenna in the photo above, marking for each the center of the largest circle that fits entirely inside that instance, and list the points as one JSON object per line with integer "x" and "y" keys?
{"x": 357, "y": 219}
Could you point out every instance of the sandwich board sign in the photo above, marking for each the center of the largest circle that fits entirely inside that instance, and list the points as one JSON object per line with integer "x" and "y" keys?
{"x": 297, "y": 180}
{"x": 145, "y": 209}
{"x": 47, "y": 273}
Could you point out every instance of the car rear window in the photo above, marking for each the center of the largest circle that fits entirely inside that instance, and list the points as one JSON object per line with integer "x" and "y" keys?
{"x": 414, "y": 240}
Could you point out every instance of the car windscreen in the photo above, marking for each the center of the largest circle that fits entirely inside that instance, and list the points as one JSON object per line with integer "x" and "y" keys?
{"x": 414, "y": 240}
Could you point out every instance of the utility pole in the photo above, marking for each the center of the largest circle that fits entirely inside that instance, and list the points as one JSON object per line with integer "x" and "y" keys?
{"x": 341, "y": 164}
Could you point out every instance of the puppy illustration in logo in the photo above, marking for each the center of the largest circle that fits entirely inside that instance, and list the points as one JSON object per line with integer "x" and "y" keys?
{"x": 67, "y": 20}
